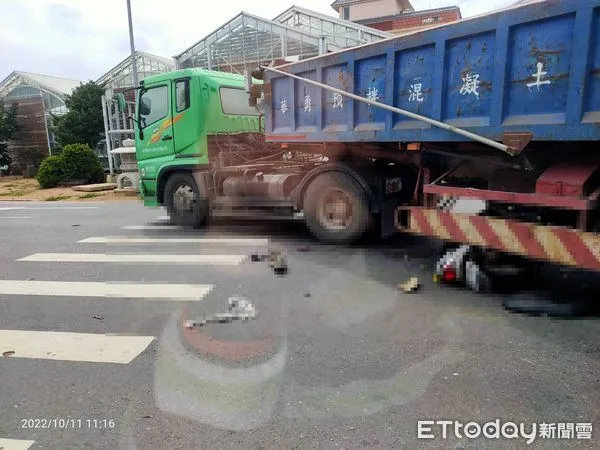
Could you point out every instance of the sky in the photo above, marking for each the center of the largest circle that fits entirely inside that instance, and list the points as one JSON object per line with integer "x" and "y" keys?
{"x": 83, "y": 39}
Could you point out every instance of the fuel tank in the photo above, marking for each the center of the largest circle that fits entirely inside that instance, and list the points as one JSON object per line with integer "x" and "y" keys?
{"x": 272, "y": 186}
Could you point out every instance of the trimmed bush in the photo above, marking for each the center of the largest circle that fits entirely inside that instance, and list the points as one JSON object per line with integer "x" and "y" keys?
{"x": 76, "y": 162}
{"x": 79, "y": 162}
{"x": 50, "y": 173}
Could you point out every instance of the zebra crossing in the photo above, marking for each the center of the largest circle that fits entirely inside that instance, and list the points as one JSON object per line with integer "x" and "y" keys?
{"x": 15, "y": 444}
{"x": 117, "y": 348}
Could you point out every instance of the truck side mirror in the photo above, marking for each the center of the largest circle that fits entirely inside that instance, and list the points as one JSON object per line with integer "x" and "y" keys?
{"x": 145, "y": 105}
{"x": 121, "y": 104}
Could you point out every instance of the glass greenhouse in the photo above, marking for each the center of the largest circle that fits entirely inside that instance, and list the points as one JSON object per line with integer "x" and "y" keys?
{"x": 247, "y": 41}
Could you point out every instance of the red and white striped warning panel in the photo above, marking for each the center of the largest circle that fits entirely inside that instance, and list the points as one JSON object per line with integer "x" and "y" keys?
{"x": 556, "y": 244}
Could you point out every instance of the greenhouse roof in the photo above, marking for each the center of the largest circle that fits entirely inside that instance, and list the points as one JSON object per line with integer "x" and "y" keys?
{"x": 322, "y": 24}
{"x": 297, "y": 33}
{"x": 248, "y": 39}
{"x": 147, "y": 64}
{"x": 54, "y": 85}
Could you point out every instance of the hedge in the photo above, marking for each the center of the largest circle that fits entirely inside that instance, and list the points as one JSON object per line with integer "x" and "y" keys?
{"x": 76, "y": 162}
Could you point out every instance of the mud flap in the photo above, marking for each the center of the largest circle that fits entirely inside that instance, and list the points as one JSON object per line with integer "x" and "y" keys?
{"x": 204, "y": 183}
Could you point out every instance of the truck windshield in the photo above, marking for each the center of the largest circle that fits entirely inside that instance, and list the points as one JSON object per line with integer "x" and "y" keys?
{"x": 235, "y": 102}
{"x": 153, "y": 105}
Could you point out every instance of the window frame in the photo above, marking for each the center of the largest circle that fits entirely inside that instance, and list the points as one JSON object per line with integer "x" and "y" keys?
{"x": 346, "y": 13}
{"x": 140, "y": 102}
{"x": 258, "y": 114}
{"x": 187, "y": 96}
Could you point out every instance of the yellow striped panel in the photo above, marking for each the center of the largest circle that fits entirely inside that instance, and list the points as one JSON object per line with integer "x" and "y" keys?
{"x": 414, "y": 224}
{"x": 470, "y": 231}
{"x": 439, "y": 230}
{"x": 592, "y": 242}
{"x": 553, "y": 247}
{"x": 507, "y": 237}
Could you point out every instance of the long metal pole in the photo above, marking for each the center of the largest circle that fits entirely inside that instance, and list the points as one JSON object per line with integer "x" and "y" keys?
{"x": 46, "y": 119}
{"x": 435, "y": 123}
{"x": 132, "y": 45}
{"x": 107, "y": 137}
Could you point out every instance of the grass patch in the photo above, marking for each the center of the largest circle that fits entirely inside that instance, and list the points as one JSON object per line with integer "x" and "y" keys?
{"x": 17, "y": 186}
{"x": 91, "y": 195}
{"x": 14, "y": 193}
{"x": 57, "y": 198}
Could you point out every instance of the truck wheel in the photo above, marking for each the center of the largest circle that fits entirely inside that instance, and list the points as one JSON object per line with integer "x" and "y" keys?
{"x": 185, "y": 203}
{"x": 336, "y": 208}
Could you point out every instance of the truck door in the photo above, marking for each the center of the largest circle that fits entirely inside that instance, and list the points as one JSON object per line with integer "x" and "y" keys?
{"x": 185, "y": 119}
{"x": 155, "y": 122}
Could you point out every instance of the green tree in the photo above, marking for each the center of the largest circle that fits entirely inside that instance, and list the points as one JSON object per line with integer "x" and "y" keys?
{"x": 8, "y": 127}
{"x": 83, "y": 123}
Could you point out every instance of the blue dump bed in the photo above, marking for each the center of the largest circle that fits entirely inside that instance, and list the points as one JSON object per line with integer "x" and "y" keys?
{"x": 532, "y": 69}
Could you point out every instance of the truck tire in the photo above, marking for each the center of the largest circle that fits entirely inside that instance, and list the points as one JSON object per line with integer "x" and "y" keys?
{"x": 186, "y": 205}
{"x": 336, "y": 208}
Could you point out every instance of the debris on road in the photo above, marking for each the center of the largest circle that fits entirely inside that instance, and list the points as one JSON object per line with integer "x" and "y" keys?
{"x": 239, "y": 308}
{"x": 273, "y": 256}
{"x": 307, "y": 295}
{"x": 278, "y": 262}
{"x": 98, "y": 317}
{"x": 8, "y": 353}
{"x": 545, "y": 304}
{"x": 409, "y": 286}
{"x": 280, "y": 266}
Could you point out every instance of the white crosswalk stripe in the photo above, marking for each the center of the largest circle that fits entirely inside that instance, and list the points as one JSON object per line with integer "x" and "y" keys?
{"x": 15, "y": 444}
{"x": 146, "y": 258}
{"x": 80, "y": 347}
{"x": 147, "y": 291}
{"x": 46, "y": 208}
{"x": 151, "y": 227}
{"x": 145, "y": 240}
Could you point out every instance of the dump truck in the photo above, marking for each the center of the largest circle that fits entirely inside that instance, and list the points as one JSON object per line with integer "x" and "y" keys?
{"x": 501, "y": 112}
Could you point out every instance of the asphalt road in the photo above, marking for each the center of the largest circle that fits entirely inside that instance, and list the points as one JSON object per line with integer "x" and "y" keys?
{"x": 97, "y": 357}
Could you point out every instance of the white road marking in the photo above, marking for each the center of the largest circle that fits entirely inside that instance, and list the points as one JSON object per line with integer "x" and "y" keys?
{"x": 63, "y": 207}
{"x": 44, "y": 208}
{"x": 15, "y": 444}
{"x": 214, "y": 260}
{"x": 163, "y": 218}
{"x": 14, "y": 217}
{"x": 151, "y": 227}
{"x": 148, "y": 291}
{"x": 82, "y": 347}
{"x": 206, "y": 240}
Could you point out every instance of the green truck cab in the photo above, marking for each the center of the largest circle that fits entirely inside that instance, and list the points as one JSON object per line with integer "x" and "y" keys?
{"x": 201, "y": 153}
{"x": 177, "y": 112}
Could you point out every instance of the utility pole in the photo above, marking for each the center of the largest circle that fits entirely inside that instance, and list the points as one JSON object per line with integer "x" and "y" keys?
{"x": 132, "y": 45}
